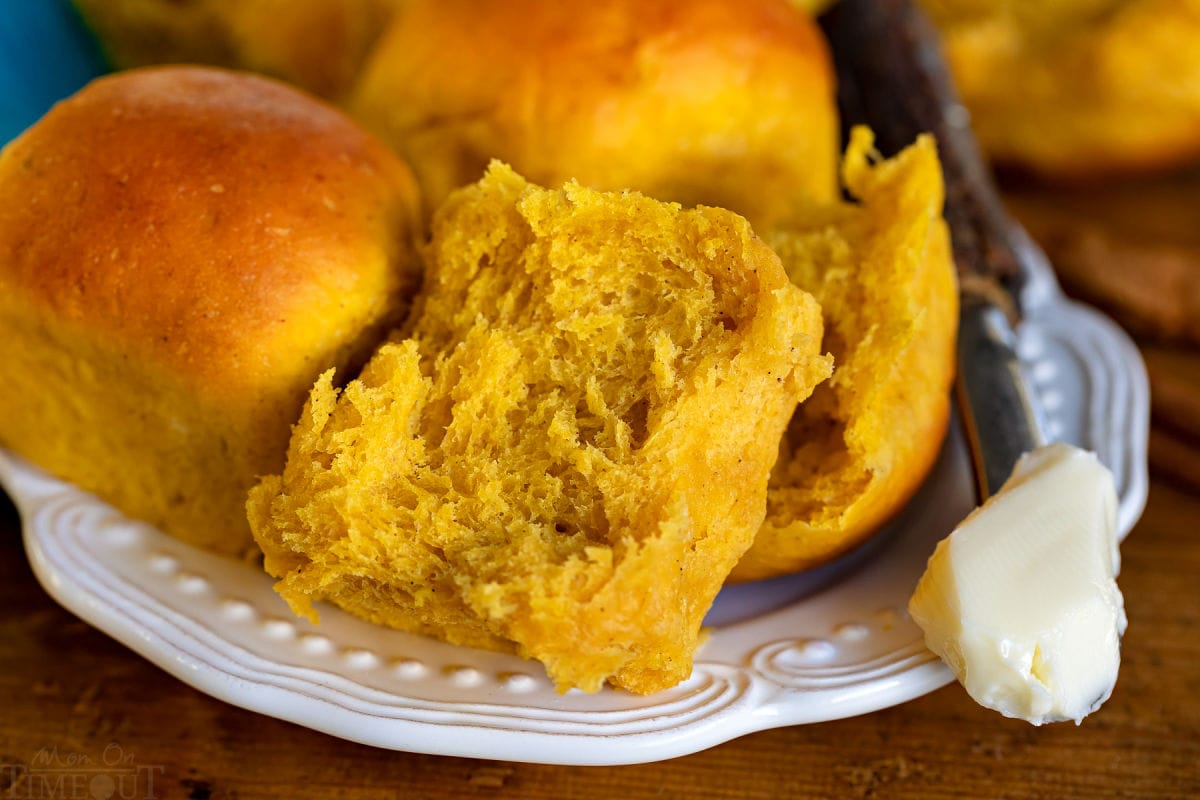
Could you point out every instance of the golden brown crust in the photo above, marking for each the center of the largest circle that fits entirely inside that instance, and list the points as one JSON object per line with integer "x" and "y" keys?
{"x": 705, "y": 102}
{"x": 182, "y": 252}
{"x": 189, "y": 214}
{"x": 1079, "y": 89}
{"x": 316, "y": 44}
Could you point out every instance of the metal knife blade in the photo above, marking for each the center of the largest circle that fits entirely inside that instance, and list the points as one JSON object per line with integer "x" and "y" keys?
{"x": 891, "y": 76}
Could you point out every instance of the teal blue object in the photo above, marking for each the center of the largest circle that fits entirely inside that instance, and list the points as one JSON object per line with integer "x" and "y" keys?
{"x": 46, "y": 54}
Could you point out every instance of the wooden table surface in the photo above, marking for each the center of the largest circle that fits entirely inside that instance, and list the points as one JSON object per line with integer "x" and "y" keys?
{"x": 72, "y": 700}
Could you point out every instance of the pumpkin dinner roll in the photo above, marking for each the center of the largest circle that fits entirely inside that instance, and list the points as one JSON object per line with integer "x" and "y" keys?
{"x": 858, "y": 449}
{"x": 319, "y": 45}
{"x": 712, "y": 102}
{"x": 567, "y": 449}
{"x": 1078, "y": 88}
{"x": 182, "y": 252}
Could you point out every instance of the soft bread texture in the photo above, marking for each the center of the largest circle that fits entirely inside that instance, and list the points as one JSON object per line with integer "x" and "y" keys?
{"x": 858, "y": 449}
{"x": 182, "y": 252}
{"x": 568, "y": 449}
{"x": 319, "y": 45}
{"x": 1078, "y": 89}
{"x": 710, "y": 102}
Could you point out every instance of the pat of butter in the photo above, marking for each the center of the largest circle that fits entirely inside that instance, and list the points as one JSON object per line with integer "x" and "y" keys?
{"x": 1021, "y": 600}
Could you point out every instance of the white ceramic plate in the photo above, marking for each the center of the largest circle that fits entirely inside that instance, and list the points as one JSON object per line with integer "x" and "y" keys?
{"x": 823, "y": 645}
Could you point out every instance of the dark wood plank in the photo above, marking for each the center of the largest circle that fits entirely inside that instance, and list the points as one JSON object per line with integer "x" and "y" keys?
{"x": 65, "y": 687}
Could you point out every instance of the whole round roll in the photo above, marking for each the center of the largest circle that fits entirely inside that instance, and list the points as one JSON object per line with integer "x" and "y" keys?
{"x": 703, "y": 102}
{"x": 274, "y": 37}
{"x": 182, "y": 252}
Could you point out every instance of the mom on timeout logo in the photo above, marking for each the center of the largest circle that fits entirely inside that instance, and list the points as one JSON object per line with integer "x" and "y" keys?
{"x": 54, "y": 774}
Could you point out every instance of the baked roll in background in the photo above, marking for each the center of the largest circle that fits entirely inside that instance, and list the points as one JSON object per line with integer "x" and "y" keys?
{"x": 728, "y": 104}
{"x": 1078, "y": 89}
{"x": 182, "y": 252}
{"x": 319, "y": 45}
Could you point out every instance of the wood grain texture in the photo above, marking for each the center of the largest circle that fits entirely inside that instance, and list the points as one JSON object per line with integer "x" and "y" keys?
{"x": 67, "y": 689}
{"x": 1131, "y": 247}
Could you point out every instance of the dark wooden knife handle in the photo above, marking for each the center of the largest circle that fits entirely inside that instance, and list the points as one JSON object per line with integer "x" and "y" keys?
{"x": 891, "y": 76}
